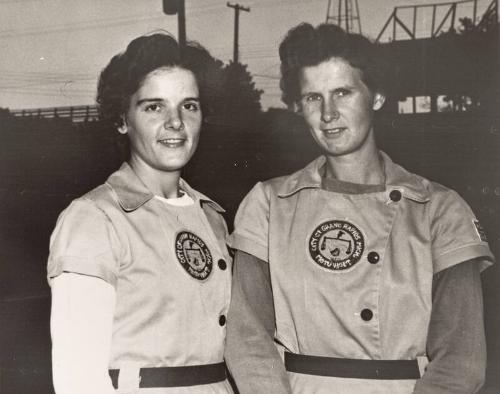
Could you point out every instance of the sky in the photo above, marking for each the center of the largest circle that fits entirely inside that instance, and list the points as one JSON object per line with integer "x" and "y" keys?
{"x": 52, "y": 51}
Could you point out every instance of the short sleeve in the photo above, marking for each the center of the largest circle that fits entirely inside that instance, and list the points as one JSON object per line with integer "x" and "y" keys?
{"x": 251, "y": 224}
{"x": 85, "y": 242}
{"x": 457, "y": 235}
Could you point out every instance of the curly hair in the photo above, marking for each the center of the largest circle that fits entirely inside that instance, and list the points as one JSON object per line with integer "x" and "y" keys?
{"x": 123, "y": 76}
{"x": 305, "y": 45}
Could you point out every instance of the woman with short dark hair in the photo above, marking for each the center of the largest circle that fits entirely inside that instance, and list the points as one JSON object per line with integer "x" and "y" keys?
{"x": 364, "y": 276}
{"x": 308, "y": 46}
{"x": 139, "y": 269}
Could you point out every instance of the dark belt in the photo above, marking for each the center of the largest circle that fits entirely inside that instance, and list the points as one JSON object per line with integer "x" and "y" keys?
{"x": 191, "y": 375}
{"x": 352, "y": 368}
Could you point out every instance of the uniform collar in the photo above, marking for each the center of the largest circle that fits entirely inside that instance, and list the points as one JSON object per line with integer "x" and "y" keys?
{"x": 132, "y": 193}
{"x": 411, "y": 185}
{"x": 307, "y": 178}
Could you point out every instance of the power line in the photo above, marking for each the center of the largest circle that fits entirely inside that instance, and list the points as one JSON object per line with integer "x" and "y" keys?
{"x": 17, "y": 1}
{"x": 45, "y": 80}
{"x": 39, "y": 83}
{"x": 266, "y": 76}
{"x": 100, "y": 23}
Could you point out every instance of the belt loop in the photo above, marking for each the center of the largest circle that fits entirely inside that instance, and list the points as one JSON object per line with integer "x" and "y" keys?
{"x": 281, "y": 350}
{"x": 129, "y": 377}
{"x": 422, "y": 362}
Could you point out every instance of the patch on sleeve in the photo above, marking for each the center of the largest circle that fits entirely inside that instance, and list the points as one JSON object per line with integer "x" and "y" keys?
{"x": 193, "y": 254}
{"x": 480, "y": 230}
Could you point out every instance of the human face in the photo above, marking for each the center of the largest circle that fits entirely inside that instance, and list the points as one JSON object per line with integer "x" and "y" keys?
{"x": 338, "y": 107}
{"x": 163, "y": 121}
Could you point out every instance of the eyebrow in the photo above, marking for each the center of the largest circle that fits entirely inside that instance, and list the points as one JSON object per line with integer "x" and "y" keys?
{"x": 309, "y": 92}
{"x": 159, "y": 100}
{"x": 148, "y": 100}
{"x": 343, "y": 87}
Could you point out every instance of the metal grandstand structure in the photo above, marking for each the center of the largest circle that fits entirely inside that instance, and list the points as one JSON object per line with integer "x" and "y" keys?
{"x": 436, "y": 19}
{"x": 344, "y": 13}
{"x": 445, "y": 58}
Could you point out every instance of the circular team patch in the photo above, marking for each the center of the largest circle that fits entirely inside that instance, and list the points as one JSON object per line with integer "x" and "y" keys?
{"x": 336, "y": 245}
{"x": 193, "y": 255}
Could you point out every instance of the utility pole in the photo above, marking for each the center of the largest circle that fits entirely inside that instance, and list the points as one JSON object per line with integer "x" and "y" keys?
{"x": 172, "y": 7}
{"x": 237, "y": 9}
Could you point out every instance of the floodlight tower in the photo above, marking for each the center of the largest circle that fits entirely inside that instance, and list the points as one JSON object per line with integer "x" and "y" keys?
{"x": 344, "y": 13}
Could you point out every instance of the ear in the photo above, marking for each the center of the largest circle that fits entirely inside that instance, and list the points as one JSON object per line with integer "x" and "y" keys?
{"x": 378, "y": 101}
{"x": 296, "y": 107}
{"x": 123, "y": 128}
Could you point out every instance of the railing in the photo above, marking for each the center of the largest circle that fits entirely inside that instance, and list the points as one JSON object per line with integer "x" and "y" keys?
{"x": 82, "y": 113}
{"x": 439, "y": 25}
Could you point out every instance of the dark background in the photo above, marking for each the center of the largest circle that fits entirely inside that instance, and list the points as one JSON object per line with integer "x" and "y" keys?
{"x": 44, "y": 164}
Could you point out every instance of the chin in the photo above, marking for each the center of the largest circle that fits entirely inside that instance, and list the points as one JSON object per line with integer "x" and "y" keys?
{"x": 172, "y": 167}
{"x": 174, "y": 163}
{"x": 335, "y": 152}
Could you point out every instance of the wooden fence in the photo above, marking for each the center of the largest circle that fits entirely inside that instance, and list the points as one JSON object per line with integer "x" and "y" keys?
{"x": 77, "y": 114}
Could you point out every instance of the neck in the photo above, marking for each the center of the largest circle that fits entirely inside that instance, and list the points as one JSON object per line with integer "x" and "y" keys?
{"x": 160, "y": 183}
{"x": 367, "y": 169}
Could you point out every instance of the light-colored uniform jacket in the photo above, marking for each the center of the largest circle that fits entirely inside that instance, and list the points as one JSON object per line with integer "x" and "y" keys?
{"x": 351, "y": 274}
{"x": 170, "y": 268}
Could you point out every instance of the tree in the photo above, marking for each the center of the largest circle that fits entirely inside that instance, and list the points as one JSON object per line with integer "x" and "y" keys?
{"x": 234, "y": 100}
{"x": 479, "y": 45}
{"x": 243, "y": 99}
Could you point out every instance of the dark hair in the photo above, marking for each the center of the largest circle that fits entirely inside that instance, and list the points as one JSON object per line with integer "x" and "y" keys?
{"x": 306, "y": 46}
{"x": 122, "y": 77}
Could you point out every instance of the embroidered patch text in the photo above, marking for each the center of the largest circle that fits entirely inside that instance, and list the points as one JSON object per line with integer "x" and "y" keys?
{"x": 193, "y": 254}
{"x": 336, "y": 245}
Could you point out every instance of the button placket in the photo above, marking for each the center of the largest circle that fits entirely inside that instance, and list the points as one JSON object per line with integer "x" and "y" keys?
{"x": 223, "y": 251}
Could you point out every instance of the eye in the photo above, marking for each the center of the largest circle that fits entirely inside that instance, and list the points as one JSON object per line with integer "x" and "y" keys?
{"x": 153, "y": 107}
{"x": 312, "y": 97}
{"x": 192, "y": 106}
{"x": 342, "y": 92}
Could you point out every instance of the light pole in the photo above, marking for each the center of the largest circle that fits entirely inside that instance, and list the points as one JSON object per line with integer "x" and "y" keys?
{"x": 172, "y": 7}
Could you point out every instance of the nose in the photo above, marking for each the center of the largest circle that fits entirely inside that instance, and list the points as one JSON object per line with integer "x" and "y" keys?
{"x": 174, "y": 120}
{"x": 329, "y": 111}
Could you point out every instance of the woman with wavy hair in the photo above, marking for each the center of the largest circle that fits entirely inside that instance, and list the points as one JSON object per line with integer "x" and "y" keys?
{"x": 139, "y": 269}
{"x": 363, "y": 277}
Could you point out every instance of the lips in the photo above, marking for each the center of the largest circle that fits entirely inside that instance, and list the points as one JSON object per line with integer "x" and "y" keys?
{"x": 172, "y": 142}
{"x": 334, "y": 131}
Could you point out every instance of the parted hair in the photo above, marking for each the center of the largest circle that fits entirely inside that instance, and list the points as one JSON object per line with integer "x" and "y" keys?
{"x": 305, "y": 45}
{"x": 126, "y": 71}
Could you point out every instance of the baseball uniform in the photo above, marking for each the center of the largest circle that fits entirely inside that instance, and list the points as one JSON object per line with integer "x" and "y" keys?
{"x": 171, "y": 271}
{"x": 352, "y": 273}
